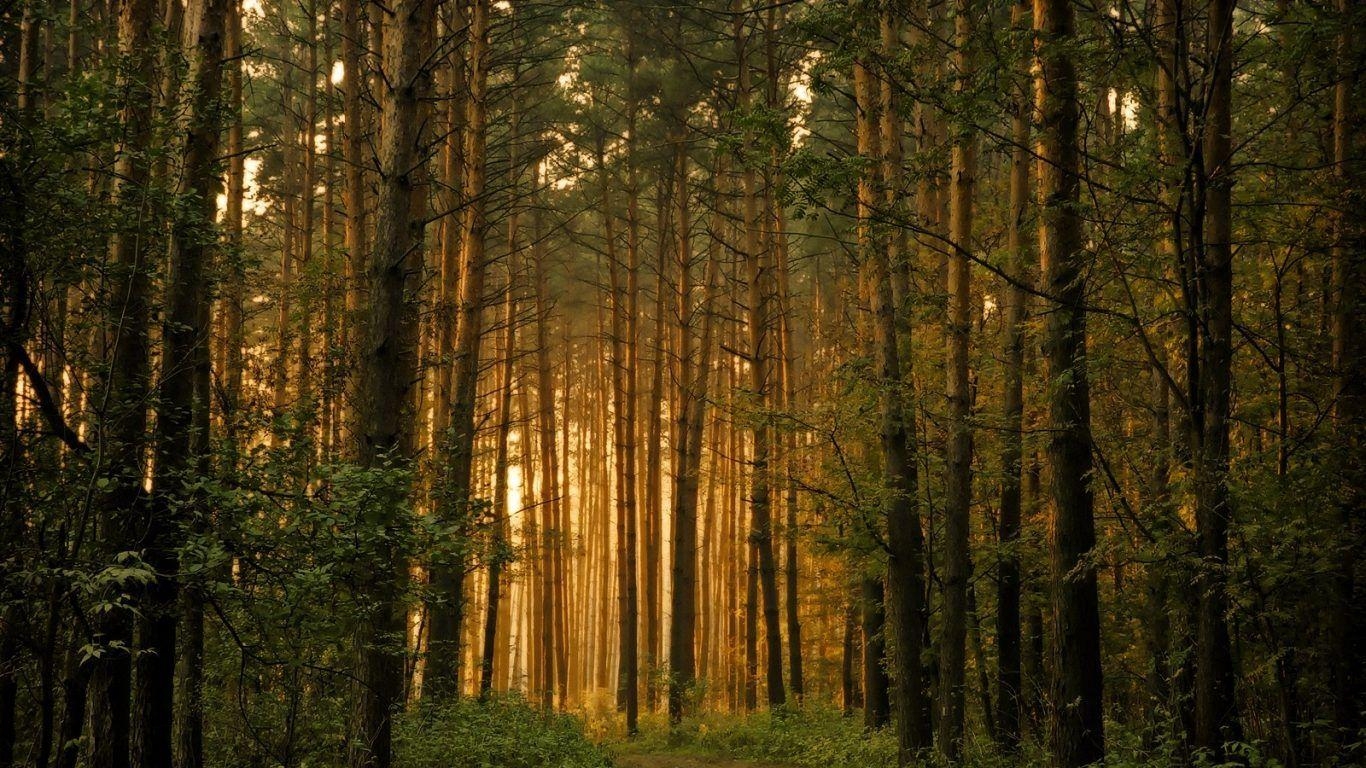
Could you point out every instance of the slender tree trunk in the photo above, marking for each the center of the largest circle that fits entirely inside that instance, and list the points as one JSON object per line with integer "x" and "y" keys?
{"x": 958, "y": 457}
{"x": 876, "y": 704}
{"x": 760, "y": 500}
{"x": 552, "y": 644}
{"x": 234, "y": 289}
{"x": 353, "y": 147}
{"x": 1216, "y": 714}
{"x": 687, "y": 455}
{"x": 1008, "y": 679}
{"x": 905, "y": 540}
{"x": 654, "y": 454}
{"x": 443, "y": 663}
{"x": 494, "y": 603}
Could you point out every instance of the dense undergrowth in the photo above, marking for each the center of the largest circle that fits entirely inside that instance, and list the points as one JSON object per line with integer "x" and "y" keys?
{"x": 821, "y": 737}
{"x": 505, "y": 732}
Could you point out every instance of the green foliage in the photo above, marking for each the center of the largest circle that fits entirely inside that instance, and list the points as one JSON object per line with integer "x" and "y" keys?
{"x": 505, "y": 732}
{"x": 820, "y": 737}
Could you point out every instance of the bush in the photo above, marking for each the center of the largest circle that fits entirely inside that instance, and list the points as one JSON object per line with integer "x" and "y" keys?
{"x": 505, "y": 732}
{"x": 813, "y": 737}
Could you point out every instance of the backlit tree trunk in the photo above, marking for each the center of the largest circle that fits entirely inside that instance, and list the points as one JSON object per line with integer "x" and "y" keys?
{"x": 389, "y": 370}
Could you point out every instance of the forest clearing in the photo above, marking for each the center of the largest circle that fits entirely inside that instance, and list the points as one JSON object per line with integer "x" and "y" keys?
{"x": 733, "y": 383}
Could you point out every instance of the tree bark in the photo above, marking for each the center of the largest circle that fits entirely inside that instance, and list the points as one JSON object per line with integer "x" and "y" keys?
{"x": 761, "y": 503}
{"x": 443, "y": 664}
{"x": 123, "y": 414}
{"x": 389, "y": 369}
{"x": 183, "y": 417}
{"x": 1008, "y": 676}
{"x": 1348, "y": 631}
{"x": 1216, "y": 714}
{"x": 876, "y": 704}
{"x": 958, "y": 452}
{"x": 1079, "y": 737}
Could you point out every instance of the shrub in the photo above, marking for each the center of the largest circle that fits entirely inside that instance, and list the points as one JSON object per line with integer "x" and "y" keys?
{"x": 505, "y": 732}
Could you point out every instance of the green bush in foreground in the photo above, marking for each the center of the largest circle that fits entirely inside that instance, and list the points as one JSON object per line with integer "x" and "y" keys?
{"x": 504, "y": 732}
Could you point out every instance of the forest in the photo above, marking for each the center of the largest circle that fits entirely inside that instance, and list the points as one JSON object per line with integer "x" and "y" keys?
{"x": 733, "y": 383}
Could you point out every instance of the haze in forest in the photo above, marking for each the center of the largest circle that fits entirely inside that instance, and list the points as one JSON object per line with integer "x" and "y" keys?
{"x": 807, "y": 383}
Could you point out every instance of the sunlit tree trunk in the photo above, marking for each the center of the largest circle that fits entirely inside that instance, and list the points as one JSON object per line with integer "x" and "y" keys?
{"x": 652, "y": 517}
{"x": 687, "y": 455}
{"x": 455, "y": 470}
{"x": 495, "y": 602}
{"x": 552, "y": 571}
{"x": 876, "y": 702}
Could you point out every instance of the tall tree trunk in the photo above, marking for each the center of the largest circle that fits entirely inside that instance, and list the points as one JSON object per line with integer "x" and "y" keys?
{"x": 1079, "y": 737}
{"x": 552, "y": 531}
{"x": 691, "y": 414}
{"x": 623, "y": 404}
{"x": 1008, "y": 679}
{"x": 123, "y": 422}
{"x": 958, "y": 452}
{"x": 1349, "y": 366}
{"x": 354, "y": 235}
{"x": 905, "y": 540}
{"x": 183, "y": 416}
{"x": 653, "y": 516}
{"x": 455, "y": 470}
{"x": 234, "y": 289}
{"x": 1216, "y": 714}
{"x": 494, "y": 604}
{"x": 876, "y": 704}
{"x": 389, "y": 368}
{"x": 760, "y": 499}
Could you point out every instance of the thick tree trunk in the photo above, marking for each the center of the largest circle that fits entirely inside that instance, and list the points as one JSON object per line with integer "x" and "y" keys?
{"x": 389, "y": 368}
{"x": 1079, "y": 737}
{"x": 183, "y": 416}
{"x": 123, "y": 413}
{"x": 1348, "y": 631}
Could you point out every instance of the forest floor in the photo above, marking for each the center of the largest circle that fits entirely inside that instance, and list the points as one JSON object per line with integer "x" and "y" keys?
{"x": 674, "y": 760}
